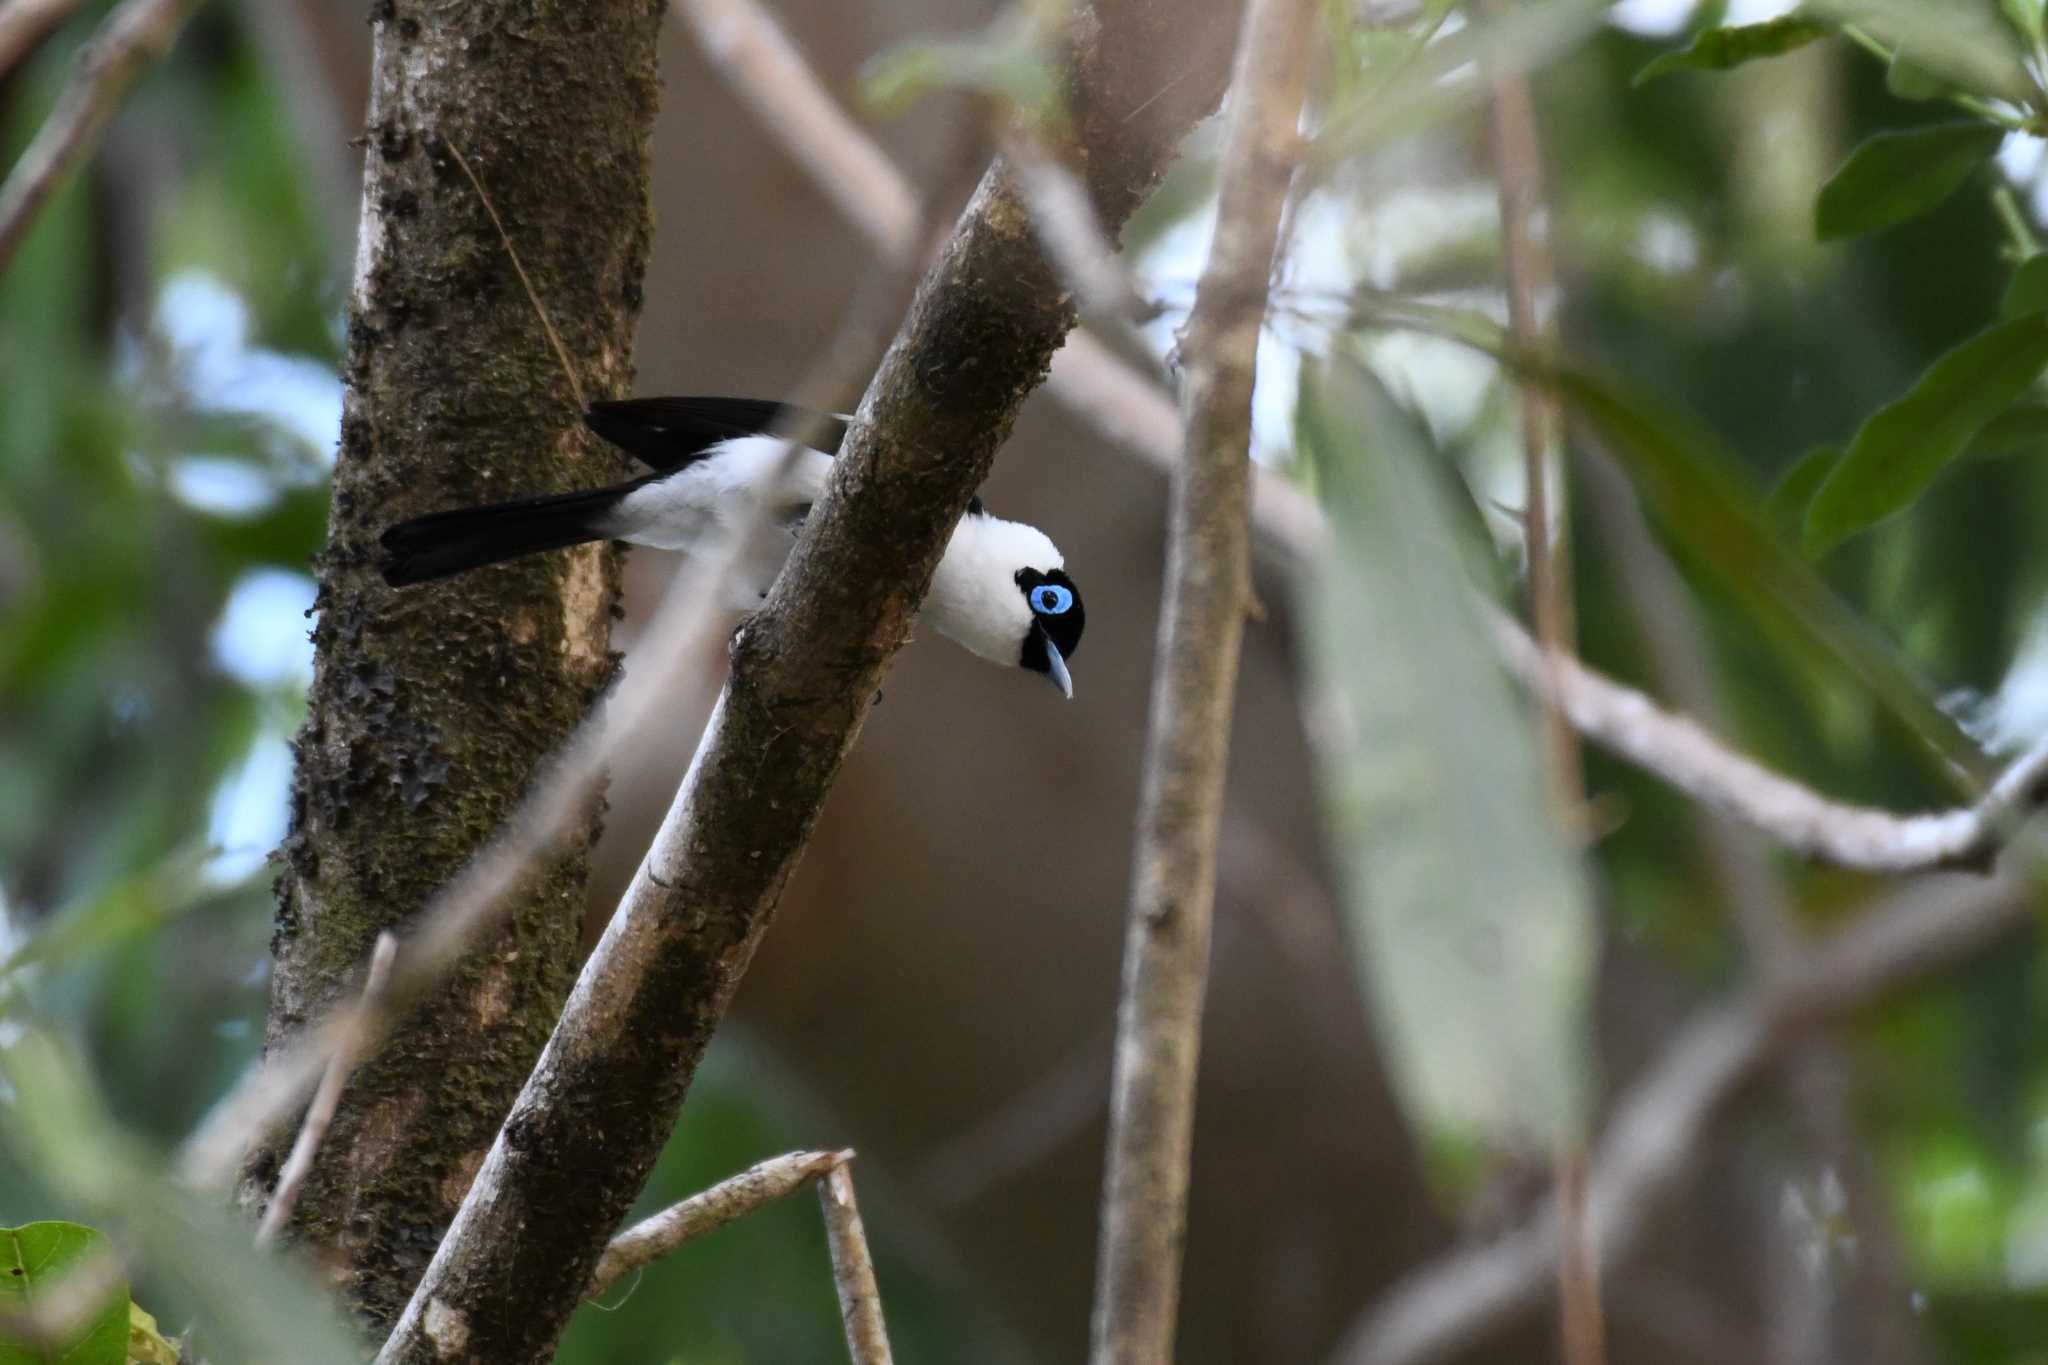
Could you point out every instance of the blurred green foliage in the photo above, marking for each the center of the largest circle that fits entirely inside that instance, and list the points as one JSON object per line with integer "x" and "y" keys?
{"x": 1715, "y": 346}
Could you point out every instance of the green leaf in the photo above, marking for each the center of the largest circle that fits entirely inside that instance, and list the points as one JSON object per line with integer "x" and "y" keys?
{"x": 1785, "y": 508}
{"x": 2026, "y": 16}
{"x": 147, "y": 1345}
{"x": 1457, "y": 881}
{"x": 1699, "y": 493}
{"x": 1905, "y": 444}
{"x": 2028, "y": 291}
{"x": 1695, "y": 489}
{"x": 1896, "y": 176}
{"x": 1719, "y": 49}
{"x": 2020, "y": 428}
{"x": 1909, "y": 80}
{"x": 248, "y": 1306}
{"x": 35, "y": 1261}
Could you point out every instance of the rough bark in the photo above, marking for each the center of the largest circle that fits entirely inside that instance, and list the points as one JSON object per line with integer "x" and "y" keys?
{"x": 578, "y": 1144}
{"x": 431, "y": 709}
{"x": 1208, "y": 591}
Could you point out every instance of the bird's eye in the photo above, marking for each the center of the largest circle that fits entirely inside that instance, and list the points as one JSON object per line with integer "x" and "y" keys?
{"x": 1050, "y": 599}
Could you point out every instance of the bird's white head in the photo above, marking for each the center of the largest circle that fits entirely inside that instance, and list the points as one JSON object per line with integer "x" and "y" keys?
{"x": 1002, "y": 591}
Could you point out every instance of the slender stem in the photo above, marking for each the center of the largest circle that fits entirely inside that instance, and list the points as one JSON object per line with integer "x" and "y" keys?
{"x": 1531, "y": 277}
{"x": 1208, "y": 588}
{"x": 2024, "y": 242}
{"x": 320, "y": 1113}
{"x": 853, "y": 1269}
{"x": 133, "y": 37}
{"x": 659, "y": 1234}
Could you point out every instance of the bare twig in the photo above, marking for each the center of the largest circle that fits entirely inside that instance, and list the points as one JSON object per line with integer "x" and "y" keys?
{"x": 656, "y": 1236}
{"x": 804, "y": 673}
{"x": 547, "y": 324}
{"x": 853, "y": 1268}
{"x": 1208, "y": 587}
{"x": 25, "y": 23}
{"x": 750, "y": 51}
{"x": 320, "y": 1113}
{"x": 1460, "y": 1299}
{"x": 133, "y": 37}
{"x": 1680, "y": 752}
{"x": 1518, "y": 173}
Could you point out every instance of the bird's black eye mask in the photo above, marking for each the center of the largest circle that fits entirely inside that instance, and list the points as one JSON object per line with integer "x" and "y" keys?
{"x": 1055, "y": 606}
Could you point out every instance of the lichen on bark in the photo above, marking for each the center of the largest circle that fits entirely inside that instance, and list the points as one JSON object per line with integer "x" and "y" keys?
{"x": 432, "y": 708}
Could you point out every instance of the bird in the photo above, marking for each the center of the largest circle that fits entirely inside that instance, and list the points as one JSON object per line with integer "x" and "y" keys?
{"x": 1001, "y": 589}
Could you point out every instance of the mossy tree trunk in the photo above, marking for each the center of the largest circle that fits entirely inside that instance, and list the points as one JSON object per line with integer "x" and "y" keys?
{"x": 432, "y": 708}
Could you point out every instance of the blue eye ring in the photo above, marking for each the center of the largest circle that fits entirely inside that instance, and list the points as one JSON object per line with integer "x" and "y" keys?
{"x": 1050, "y": 599}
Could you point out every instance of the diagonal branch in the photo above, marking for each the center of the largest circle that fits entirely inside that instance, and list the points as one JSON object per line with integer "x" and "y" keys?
{"x": 1678, "y": 750}
{"x": 753, "y": 55}
{"x": 853, "y": 1269}
{"x": 291, "y": 1181}
{"x": 24, "y": 24}
{"x": 599, "y": 1105}
{"x": 133, "y": 37}
{"x": 655, "y": 1236}
{"x": 1208, "y": 589}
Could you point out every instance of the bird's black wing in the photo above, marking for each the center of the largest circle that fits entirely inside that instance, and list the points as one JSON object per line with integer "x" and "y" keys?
{"x": 670, "y": 433}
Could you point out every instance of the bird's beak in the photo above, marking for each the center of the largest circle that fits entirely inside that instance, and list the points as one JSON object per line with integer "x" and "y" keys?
{"x": 1056, "y": 669}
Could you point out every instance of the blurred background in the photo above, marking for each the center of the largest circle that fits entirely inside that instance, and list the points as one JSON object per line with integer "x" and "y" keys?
{"x": 939, "y": 990}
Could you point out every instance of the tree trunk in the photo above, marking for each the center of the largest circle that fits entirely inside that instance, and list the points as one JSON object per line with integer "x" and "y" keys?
{"x": 431, "y": 708}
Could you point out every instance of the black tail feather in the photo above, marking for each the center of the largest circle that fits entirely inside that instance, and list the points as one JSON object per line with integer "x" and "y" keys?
{"x": 444, "y": 543}
{"x": 668, "y": 433}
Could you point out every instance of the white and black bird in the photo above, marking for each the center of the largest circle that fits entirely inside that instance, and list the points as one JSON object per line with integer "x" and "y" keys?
{"x": 1001, "y": 589}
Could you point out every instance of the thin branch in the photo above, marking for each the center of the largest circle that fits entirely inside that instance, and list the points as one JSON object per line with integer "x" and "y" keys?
{"x": 133, "y": 37}
{"x": 1676, "y": 749}
{"x": 749, "y": 50}
{"x": 656, "y": 1236}
{"x": 1208, "y": 588}
{"x": 25, "y": 23}
{"x": 547, "y": 324}
{"x": 1456, "y": 1302}
{"x": 320, "y": 1113}
{"x": 601, "y": 1102}
{"x": 853, "y": 1268}
{"x": 468, "y": 906}
{"x": 1531, "y": 275}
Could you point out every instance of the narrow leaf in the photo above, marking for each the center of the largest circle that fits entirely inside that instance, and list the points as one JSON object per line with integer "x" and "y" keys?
{"x": 1473, "y": 922}
{"x": 1785, "y": 508}
{"x": 36, "y": 1261}
{"x": 1700, "y": 495}
{"x": 1694, "y": 487}
{"x": 2021, "y": 427}
{"x": 2028, "y": 291}
{"x": 1905, "y": 444}
{"x": 1896, "y": 176}
{"x": 1718, "y": 49}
